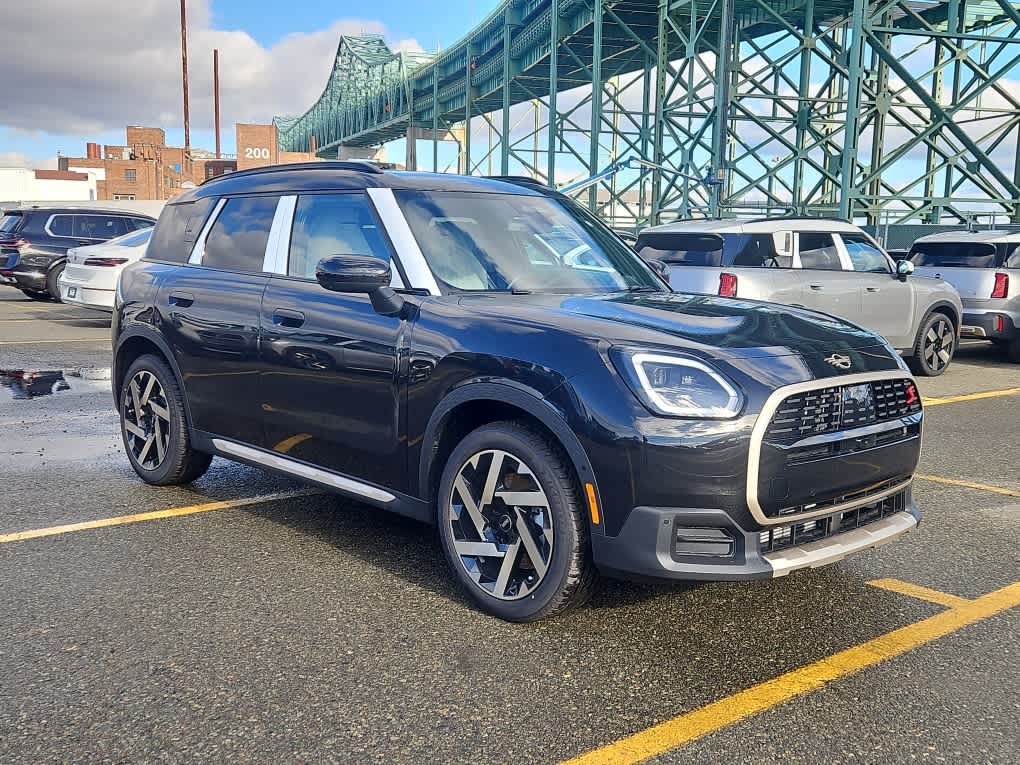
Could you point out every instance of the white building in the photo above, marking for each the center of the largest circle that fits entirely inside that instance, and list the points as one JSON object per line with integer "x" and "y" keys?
{"x": 18, "y": 184}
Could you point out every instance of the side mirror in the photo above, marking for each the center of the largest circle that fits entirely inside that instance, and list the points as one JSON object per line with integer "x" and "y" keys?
{"x": 360, "y": 274}
{"x": 662, "y": 269}
{"x": 904, "y": 268}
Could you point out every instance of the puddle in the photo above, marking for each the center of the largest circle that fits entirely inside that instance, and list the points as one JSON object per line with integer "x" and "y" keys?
{"x": 23, "y": 385}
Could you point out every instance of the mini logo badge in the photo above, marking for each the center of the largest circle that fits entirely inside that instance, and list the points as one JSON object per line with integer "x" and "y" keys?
{"x": 839, "y": 361}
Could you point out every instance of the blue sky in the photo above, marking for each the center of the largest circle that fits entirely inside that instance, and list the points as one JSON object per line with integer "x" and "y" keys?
{"x": 87, "y": 85}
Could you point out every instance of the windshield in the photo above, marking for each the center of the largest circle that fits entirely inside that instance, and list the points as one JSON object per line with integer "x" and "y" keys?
{"x": 512, "y": 242}
{"x": 134, "y": 239}
{"x": 9, "y": 223}
{"x": 953, "y": 254}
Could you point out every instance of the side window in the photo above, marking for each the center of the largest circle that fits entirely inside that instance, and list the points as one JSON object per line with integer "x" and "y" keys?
{"x": 864, "y": 255}
{"x": 140, "y": 223}
{"x": 177, "y": 229}
{"x": 101, "y": 227}
{"x": 818, "y": 251}
{"x": 1012, "y": 256}
{"x": 237, "y": 240}
{"x": 755, "y": 251}
{"x": 62, "y": 225}
{"x": 332, "y": 224}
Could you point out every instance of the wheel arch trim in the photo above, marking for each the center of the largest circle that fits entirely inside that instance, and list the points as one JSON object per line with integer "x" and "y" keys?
{"x": 154, "y": 338}
{"x": 507, "y": 392}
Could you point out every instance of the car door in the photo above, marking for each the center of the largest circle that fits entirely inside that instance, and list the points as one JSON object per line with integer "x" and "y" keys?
{"x": 825, "y": 285}
{"x": 332, "y": 394}
{"x": 210, "y": 312}
{"x": 887, "y": 303}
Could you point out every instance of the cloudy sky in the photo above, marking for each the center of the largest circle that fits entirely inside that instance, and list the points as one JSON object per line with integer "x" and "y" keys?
{"x": 80, "y": 70}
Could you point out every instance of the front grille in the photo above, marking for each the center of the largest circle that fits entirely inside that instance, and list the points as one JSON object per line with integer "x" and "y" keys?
{"x": 843, "y": 407}
{"x": 782, "y": 537}
{"x": 859, "y": 495}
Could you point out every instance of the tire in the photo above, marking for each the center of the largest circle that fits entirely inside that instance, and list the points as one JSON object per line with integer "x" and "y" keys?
{"x": 154, "y": 425}
{"x": 554, "y": 528}
{"x": 35, "y": 295}
{"x": 52, "y": 282}
{"x": 934, "y": 346}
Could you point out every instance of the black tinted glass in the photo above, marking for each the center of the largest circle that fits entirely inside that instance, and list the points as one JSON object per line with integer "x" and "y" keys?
{"x": 177, "y": 229}
{"x": 953, "y": 254}
{"x": 333, "y": 224}
{"x": 818, "y": 251}
{"x": 101, "y": 227}
{"x": 680, "y": 248}
{"x": 61, "y": 225}
{"x": 9, "y": 223}
{"x": 237, "y": 240}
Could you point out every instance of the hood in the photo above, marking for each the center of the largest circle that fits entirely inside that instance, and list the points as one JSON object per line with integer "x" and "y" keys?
{"x": 720, "y": 326}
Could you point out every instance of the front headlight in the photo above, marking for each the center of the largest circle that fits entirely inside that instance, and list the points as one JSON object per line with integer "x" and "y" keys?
{"x": 680, "y": 387}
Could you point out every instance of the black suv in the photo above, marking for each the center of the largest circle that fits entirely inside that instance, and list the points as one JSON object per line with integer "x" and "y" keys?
{"x": 34, "y": 242}
{"x": 429, "y": 344}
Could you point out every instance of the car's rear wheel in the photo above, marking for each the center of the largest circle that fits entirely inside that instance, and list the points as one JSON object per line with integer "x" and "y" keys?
{"x": 512, "y": 525}
{"x": 53, "y": 282}
{"x": 934, "y": 347}
{"x": 154, "y": 425}
{"x": 36, "y": 295}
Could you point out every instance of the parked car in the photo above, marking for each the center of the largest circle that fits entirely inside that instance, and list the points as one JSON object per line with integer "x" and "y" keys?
{"x": 34, "y": 242}
{"x": 818, "y": 263}
{"x": 90, "y": 277}
{"x": 388, "y": 336}
{"x": 984, "y": 266}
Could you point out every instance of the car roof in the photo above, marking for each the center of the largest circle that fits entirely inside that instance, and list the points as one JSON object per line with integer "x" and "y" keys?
{"x": 987, "y": 237}
{"x": 343, "y": 175}
{"x": 756, "y": 226}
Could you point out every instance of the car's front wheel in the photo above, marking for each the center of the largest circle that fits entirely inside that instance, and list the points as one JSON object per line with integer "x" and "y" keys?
{"x": 36, "y": 295}
{"x": 512, "y": 525}
{"x": 934, "y": 347}
{"x": 154, "y": 425}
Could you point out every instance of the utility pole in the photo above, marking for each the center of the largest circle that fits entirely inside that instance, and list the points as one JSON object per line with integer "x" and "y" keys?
{"x": 184, "y": 71}
{"x": 216, "y": 95}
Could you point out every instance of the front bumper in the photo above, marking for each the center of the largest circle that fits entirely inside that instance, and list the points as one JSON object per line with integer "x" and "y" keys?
{"x": 647, "y": 546}
{"x": 993, "y": 325}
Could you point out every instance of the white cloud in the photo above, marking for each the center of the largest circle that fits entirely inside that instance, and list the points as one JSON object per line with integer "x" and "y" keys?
{"x": 17, "y": 159}
{"x": 100, "y": 69}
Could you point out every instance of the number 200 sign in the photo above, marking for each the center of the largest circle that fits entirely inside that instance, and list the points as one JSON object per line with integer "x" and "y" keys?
{"x": 251, "y": 152}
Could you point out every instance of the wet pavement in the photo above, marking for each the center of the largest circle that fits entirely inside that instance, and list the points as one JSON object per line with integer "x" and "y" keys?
{"x": 313, "y": 629}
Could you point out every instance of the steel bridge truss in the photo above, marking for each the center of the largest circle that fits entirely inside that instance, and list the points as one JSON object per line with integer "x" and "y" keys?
{"x": 890, "y": 110}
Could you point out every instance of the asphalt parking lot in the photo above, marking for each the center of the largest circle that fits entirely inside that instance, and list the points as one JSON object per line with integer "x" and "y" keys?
{"x": 257, "y": 622}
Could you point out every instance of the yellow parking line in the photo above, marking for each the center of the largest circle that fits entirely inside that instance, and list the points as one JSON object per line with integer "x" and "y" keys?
{"x": 939, "y": 401}
{"x": 917, "y": 591}
{"x": 719, "y": 714}
{"x": 968, "y": 484}
{"x": 173, "y": 512}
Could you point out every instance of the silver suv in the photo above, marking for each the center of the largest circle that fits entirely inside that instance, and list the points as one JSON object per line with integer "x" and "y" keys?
{"x": 822, "y": 264}
{"x": 984, "y": 266}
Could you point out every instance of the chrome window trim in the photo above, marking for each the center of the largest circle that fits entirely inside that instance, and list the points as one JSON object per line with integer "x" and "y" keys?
{"x": 278, "y": 245}
{"x": 198, "y": 248}
{"x": 758, "y": 437}
{"x": 302, "y": 470}
{"x": 406, "y": 246}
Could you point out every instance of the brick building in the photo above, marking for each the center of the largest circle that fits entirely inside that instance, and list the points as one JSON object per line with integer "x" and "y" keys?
{"x": 146, "y": 168}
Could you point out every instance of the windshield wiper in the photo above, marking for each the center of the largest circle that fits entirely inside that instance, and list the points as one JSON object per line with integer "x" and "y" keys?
{"x": 643, "y": 289}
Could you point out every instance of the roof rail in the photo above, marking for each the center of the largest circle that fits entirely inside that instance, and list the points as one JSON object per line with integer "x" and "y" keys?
{"x": 518, "y": 179}
{"x": 357, "y": 165}
{"x": 792, "y": 217}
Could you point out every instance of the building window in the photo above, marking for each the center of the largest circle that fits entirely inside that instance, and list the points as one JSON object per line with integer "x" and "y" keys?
{"x": 131, "y": 175}
{"x": 123, "y": 196}
{"x": 210, "y": 171}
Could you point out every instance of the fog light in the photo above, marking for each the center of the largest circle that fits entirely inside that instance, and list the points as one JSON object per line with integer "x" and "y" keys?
{"x": 713, "y": 543}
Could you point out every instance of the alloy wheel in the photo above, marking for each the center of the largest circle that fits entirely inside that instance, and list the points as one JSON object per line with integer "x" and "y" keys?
{"x": 939, "y": 342}
{"x": 502, "y": 524}
{"x": 146, "y": 419}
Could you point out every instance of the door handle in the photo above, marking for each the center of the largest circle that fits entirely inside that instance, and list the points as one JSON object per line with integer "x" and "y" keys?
{"x": 873, "y": 289}
{"x": 181, "y": 299}
{"x": 818, "y": 287}
{"x": 284, "y": 317}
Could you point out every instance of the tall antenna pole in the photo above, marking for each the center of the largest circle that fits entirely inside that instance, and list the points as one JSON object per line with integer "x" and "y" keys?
{"x": 184, "y": 70}
{"x": 216, "y": 95}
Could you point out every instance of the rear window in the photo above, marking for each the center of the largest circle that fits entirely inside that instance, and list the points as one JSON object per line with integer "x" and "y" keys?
{"x": 9, "y": 223}
{"x": 953, "y": 254}
{"x": 177, "y": 229}
{"x": 691, "y": 249}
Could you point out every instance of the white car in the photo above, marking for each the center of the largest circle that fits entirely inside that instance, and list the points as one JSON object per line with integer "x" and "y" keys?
{"x": 90, "y": 278}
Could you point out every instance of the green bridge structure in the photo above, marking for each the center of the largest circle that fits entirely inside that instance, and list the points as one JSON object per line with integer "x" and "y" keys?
{"x": 886, "y": 111}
